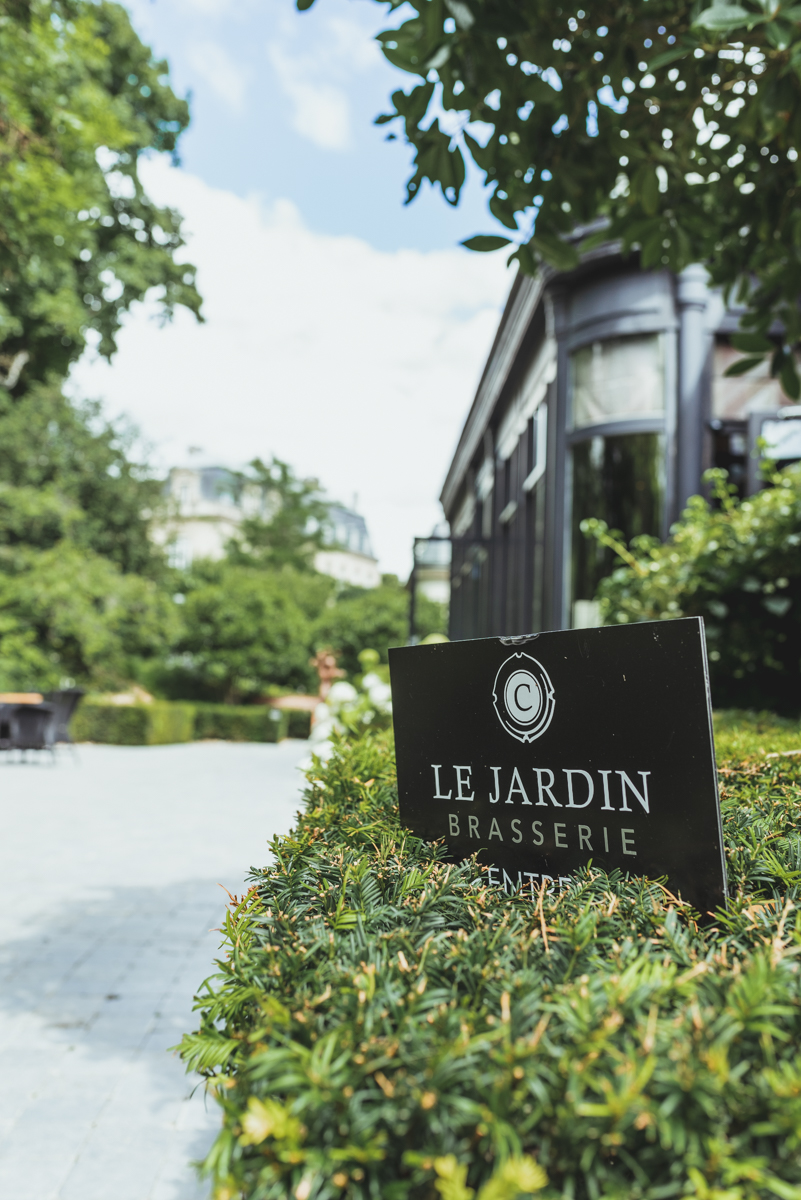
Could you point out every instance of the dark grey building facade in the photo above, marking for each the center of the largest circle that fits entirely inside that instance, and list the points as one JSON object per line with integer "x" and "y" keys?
{"x": 604, "y": 395}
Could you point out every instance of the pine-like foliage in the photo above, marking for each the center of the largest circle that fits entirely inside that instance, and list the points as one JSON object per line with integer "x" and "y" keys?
{"x": 384, "y": 1025}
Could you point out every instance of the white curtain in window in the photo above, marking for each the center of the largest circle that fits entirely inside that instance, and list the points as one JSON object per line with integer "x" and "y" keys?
{"x": 617, "y": 380}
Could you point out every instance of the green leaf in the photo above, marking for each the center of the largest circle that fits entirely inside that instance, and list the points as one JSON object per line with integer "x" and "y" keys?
{"x": 662, "y": 60}
{"x": 451, "y": 173}
{"x": 745, "y": 364}
{"x": 485, "y": 242}
{"x": 558, "y": 253}
{"x": 752, "y": 343}
{"x": 404, "y": 47}
{"x": 779, "y": 34}
{"x": 413, "y": 107}
{"x": 501, "y": 210}
{"x": 789, "y": 378}
{"x": 528, "y": 262}
{"x": 723, "y": 16}
{"x": 460, "y": 13}
{"x": 302, "y": 5}
{"x": 651, "y": 251}
{"x": 483, "y": 156}
{"x": 439, "y": 57}
{"x": 649, "y": 191}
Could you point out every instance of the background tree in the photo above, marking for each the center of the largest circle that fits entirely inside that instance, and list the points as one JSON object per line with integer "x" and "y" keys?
{"x": 375, "y": 619}
{"x": 677, "y": 125}
{"x": 289, "y": 522}
{"x": 84, "y": 595}
{"x": 68, "y": 616}
{"x": 243, "y": 633}
{"x": 81, "y": 98}
{"x": 64, "y": 472}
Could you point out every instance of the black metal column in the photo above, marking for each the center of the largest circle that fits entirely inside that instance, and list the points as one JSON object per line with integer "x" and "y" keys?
{"x": 695, "y": 344}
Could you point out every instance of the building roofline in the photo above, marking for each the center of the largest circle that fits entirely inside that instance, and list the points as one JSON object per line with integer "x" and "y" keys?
{"x": 522, "y": 301}
{"x": 524, "y": 297}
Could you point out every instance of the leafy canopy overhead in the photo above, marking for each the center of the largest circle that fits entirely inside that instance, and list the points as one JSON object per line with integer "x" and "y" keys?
{"x": 678, "y": 124}
{"x": 81, "y": 98}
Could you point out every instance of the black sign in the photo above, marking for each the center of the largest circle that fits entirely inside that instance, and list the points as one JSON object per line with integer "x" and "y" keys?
{"x": 547, "y": 752}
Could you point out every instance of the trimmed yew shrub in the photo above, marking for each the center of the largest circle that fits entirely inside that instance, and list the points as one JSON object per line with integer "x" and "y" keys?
{"x": 240, "y": 723}
{"x": 156, "y": 724}
{"x": 383, "y": 1025}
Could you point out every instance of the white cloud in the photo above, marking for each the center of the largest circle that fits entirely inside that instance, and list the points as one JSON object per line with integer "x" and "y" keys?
{"x": 356, "y": 365}
{"x": 321, "y": 111}
{"x": 226, "y": 77}
{"x": 314, "y": 65}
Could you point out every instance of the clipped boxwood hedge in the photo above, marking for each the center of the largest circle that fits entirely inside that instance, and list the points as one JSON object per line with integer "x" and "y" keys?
{"x": 299, "y": 725}
{"x": 239, "y": 723}
{"x": 162, "y": 722}
{"x": 385, "y": 1026}
{"x": 154, "y": 724}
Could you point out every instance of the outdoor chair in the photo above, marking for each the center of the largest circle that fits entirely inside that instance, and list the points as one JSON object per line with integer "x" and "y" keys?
{"x": 5, "y": 726}
{"x": 63, "y": 703}
{"x": 32, "y": 727}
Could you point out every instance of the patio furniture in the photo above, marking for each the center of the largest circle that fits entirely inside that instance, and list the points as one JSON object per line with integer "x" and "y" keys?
{"x": 32, "y": 727}
{"x": 63, "y": 703}
{"x": 5, "y": 725}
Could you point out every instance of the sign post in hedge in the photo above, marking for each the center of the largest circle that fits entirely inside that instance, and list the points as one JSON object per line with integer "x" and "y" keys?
{"x": 549, "y": 752}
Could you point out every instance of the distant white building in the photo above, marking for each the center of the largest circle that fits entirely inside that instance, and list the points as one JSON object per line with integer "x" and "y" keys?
{"x": 208, "y": 505}
{"x": 350, "y": 558}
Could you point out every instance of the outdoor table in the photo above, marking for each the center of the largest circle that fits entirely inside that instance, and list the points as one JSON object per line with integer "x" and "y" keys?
{"x": 25, "y": 722}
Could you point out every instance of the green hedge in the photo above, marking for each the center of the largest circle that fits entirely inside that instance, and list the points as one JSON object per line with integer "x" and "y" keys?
{"x": 299, "y": 725}
{"x": 240, "y": 724}
{"x": 384, "y": 1026}
{"x": 163, "y": 722}
{"x": 133, "y": 724}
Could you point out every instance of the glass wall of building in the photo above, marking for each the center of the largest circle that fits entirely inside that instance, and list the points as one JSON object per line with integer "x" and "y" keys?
{"x": 619, "y": 480}
{"x": 617, "y": 449}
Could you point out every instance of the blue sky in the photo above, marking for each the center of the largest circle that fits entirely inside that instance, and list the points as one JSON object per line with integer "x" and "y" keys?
{"x": 345, "y": 332}
{"x": 283, "y": 104}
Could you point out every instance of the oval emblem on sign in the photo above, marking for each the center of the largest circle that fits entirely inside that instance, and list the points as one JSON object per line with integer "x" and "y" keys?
{"x": 523, "y": 697}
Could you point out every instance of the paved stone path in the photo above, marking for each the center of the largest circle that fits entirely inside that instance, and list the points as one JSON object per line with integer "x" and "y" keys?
{"x": 109, "y": 869}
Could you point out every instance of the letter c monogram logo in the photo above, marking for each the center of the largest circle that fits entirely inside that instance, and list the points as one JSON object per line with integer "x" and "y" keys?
{"x": 523, "y": 697}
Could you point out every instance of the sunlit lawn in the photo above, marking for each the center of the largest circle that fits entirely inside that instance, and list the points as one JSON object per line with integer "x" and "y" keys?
{"x": 754, "y": 735}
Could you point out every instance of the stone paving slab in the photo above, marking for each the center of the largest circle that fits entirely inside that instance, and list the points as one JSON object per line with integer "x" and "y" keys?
{"x": 110, "y": 863}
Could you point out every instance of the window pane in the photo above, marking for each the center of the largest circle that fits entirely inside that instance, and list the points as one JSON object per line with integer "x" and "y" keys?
{"x": 618, "y": 379}
{"x": 621, "y": 481}
{"x": 735, "y": 396}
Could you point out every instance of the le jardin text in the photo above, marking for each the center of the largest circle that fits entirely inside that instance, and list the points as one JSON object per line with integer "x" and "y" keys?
{"x": 572, "y": 788}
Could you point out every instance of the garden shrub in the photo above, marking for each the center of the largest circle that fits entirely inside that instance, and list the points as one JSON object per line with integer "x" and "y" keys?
{"x": 375, "y": 617}
{"x": 162, "y": 722}
{"x": 70, "y": 613}
{"x": 299, "y": 723}
{"x": 243, "y": 632}
{"x": 385, "y": 1026}
{"x": 170, "y": 723}
{"x": 737, "y": 565}
{"x": 240, "y": 723}
{"x": 133, "y": 724}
